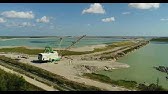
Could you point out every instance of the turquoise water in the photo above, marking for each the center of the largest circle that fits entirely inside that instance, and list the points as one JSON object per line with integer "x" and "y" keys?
{"x": 141, "y": 64}
{"x": 54, "y": 42}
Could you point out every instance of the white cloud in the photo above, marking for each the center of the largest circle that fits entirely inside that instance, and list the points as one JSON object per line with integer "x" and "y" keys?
{"x": 15, "y": 14}
{"x": 44, "y": 19}
{"x": 111, "y": 19}
{"x": 144, "y": 5}
{"x": 2, "y": 20}
{"x": 124, "y": 13}
{"x": 164, "y": 19}
{"x": 94, "y": 8}
{"x": 23, "y": 24}
{"x": 26, "y": 24}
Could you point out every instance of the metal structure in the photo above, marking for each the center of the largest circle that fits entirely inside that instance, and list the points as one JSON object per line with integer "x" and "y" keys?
{"x": 73, "y": 43}
{"x": 52, "y": 55}
{"x": 48, "y": 49}
{"x": 49, "y": 54}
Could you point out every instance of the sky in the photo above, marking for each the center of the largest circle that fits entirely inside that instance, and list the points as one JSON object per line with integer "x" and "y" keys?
{"x": 91, "y": 19}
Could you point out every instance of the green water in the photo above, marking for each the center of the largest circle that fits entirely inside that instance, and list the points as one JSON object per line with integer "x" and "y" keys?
{"x": 141, "y": 64}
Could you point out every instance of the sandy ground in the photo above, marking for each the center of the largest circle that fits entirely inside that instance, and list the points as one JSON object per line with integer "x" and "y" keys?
{"x": 69, "y": 70}
{"x": 87, "y": 48}
{"x": 30, "y": 80}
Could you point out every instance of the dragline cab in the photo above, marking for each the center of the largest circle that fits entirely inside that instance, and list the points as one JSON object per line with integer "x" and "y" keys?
{"x": 49, "y": 55}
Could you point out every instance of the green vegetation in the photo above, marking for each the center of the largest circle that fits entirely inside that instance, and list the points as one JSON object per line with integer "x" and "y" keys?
{"x": 56, "y": 79}
{"x": 107, "y": 55}
{"x": 161, "y": 39}
{"x": 103, "y": 78}
{"x": 24, "y": 50}
{"x": 151, "y": 87}
{"x": 67, "y": 53}
{"x": 128, "y": 47}
{"x": 13, "y": 82}
{"x": 113, "y": 45}
{"x": 126, "y": 84}
{"x": 110, "y": 46}
{"x": 123, "y": 43}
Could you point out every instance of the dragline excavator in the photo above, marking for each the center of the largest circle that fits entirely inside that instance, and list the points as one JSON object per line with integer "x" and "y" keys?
{"x": 51, "y": 55}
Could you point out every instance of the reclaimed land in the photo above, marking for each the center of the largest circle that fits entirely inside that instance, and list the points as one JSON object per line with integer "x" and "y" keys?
{"x": 62, "y": 75}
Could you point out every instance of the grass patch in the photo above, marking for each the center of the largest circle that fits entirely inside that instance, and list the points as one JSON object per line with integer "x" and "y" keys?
{"x": 124, "y": 83}
{"x": 23, "y": 50}
{"x": 123, "y": 43}
{"x": 67, "y": 52}
{"x": 113, "y": 45}
{"x": 103, "y": 78}
{"x": 98, "y": 77}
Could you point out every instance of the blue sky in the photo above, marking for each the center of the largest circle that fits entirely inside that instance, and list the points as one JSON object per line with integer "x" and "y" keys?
{"x": 92, "y": 19}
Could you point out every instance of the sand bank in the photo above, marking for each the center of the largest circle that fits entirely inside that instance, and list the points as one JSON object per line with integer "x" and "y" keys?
{"x": 87, "y": 48}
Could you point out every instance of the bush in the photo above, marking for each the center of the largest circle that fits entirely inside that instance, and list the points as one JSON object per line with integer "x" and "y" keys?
{"x": 151, "y": 87}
